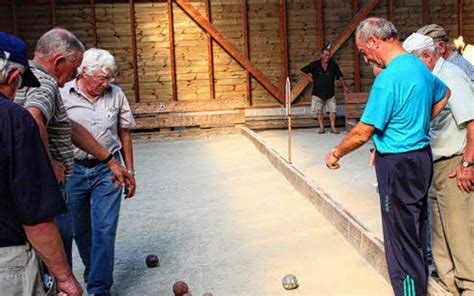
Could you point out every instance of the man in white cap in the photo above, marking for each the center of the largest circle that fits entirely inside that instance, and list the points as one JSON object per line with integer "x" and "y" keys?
{"x": 452, "y": 142}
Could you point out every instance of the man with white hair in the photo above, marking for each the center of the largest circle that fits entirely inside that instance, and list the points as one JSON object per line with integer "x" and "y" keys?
{"x": 29, "y": 197}
{"x": 102, "y": 108}
{"x": 403, "y": 99}
{"x": 452, "y": 142}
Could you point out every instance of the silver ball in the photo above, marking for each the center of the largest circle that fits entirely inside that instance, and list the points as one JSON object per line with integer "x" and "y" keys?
{"x": 289, "y": 282}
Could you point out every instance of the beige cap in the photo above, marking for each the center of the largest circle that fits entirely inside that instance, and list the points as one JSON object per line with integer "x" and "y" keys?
{"x": 417, "y": 41}
{"x": 433, "y": 30}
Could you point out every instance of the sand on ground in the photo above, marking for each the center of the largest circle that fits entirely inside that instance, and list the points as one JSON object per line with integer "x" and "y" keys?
{"x": 221, "y": 218}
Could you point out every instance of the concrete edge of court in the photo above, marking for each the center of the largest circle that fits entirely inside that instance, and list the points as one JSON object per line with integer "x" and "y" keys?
{"x": 365, "y": 241}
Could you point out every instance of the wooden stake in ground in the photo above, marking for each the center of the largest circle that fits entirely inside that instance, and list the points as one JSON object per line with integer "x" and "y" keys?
{"x": 288, "y": 114}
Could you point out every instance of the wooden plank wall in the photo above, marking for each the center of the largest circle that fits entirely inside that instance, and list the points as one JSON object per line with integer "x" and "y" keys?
{"x": 191, "y": 48}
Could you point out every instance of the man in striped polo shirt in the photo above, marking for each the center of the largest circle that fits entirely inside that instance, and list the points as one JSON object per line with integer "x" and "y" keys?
{"x": 58, "y": 53}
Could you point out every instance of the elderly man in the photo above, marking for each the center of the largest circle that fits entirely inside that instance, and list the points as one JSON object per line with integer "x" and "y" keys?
{"x": 29, "y": 195}
{"x": 441, "y": 40}
{"x": 403, "y": 99}
{"x": 58, "y": 53}
{"x": 103, "y": 109}
{"x": 324, "y": 72}
{"x": 452, "y": 142}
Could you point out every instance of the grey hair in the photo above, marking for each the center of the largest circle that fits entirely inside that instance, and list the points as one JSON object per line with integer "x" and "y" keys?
{"x": 377, "y": 27}
{"x": 61, "y": 41}
{"x": 97, "y": 59}
{"x": 6, "y": 67}
{"x": 432, "y": 49}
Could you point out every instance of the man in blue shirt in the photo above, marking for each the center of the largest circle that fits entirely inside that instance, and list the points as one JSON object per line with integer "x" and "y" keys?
{"x": 403, "y": 99}
{"x": 29, "y": 194}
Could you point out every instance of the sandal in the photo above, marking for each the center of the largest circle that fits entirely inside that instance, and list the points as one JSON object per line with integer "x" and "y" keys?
{"x": 321, "y": 131}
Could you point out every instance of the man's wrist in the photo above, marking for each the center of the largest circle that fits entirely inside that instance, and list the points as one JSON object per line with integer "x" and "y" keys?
{"x": 131, "y": 172}
{"x": 333, "y": 153}
{"x": 109, "y": 158}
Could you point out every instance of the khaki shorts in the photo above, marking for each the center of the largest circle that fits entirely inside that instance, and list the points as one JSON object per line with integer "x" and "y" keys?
{"x": 20, "y": 271}
{"x": 317, "y": 105}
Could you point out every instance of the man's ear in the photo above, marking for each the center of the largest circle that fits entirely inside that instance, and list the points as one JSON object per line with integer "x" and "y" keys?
{"x": 13, "y": 76}
{"x": 372, "y": 42}
{"x": 58, "y": 60}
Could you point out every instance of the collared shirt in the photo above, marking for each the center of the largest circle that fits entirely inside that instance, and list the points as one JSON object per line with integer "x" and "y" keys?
{"x": 29, "y": 192}
{"x": 323, "y": 80}
{"x": 448, "y": 129}
{"x": 101, "y": 118}
{"x": 400, "y": 103}
{"x": 47, "y": 99}
{"x": 462, "y": 63}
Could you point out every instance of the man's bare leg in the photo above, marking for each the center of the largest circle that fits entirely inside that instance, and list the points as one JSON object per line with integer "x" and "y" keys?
{"x": 321, "y": 122}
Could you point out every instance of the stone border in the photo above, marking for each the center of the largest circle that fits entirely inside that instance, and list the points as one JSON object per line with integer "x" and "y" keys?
{"x": 367, "y": 244}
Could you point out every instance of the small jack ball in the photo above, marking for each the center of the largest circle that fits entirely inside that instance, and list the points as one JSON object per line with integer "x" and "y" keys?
{"x": 180, "y": 288}
{"x": 207, "y": 294}
{"x": 152, "y": 261}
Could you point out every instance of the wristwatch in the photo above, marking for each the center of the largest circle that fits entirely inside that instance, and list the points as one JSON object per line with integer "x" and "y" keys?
{"x": 131, "y": 172}
{"x": 466, "y": 164}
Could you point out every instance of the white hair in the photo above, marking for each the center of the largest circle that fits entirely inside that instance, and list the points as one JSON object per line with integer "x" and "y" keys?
{"x": 432, "y": 49}
{"x": 97, "y": 59}
{"x": 6, "y": 67}
{"x": 377, "y": 27}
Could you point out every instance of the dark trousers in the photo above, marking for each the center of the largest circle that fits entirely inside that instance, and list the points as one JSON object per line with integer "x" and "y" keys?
{"x": 404, "y": 180}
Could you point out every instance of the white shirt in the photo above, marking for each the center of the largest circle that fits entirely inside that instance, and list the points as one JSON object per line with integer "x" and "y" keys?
{"x": 448, "y": 129}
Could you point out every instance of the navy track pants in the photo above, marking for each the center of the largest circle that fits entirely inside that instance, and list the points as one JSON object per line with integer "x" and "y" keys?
{"x": 404, "y": 180}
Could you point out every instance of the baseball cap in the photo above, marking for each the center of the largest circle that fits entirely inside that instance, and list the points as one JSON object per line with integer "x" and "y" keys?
{"x": 14, "y": 50}
{"x": 433, "y": 30}
{"x": 417, "y": 41}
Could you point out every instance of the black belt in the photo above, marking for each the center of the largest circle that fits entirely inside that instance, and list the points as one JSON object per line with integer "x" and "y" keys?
{"x": 443, "y": 158}
{"x": 89, "y": 163}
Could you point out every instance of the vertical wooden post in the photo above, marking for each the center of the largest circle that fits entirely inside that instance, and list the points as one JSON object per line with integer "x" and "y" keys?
{"x": 94, "y": 23}
{"x": 460, "y": 16}
{"x": 133, "y": 29}
{"x": 172, "y": 53}
{"x": 283, "y": 43}
{"x": 390, "y": 10}
{"x": 210, "y": 54}
{"x": 245, "y": 29}
{"x": 14, "y": 21}
{"x": 320, "y": 18}
{"x": 53, "y": 13}
{"x": 357, "y": 84}
{"x": 426, "y": 14}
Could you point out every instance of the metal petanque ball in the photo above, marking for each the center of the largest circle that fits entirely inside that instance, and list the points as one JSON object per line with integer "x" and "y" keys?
{"x": 289, "y": 282}
{"x": 152, "y": 261}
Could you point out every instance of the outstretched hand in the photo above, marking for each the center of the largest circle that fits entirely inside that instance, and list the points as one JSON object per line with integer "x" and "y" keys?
{"x": 464, "y": 178}
{"x": 331, "y": 161}
{"x": 121, "y": 177}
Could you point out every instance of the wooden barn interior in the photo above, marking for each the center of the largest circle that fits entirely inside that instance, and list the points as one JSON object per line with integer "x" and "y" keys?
{"x": 187, "y": 64}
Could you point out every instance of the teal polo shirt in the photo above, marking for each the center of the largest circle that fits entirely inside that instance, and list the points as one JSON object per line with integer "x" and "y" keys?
{"x": 399, "y": 105}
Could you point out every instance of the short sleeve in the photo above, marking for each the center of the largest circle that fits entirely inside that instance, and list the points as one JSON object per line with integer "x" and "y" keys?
{"x": 379, "y": 108}
{"x": 439, "y": 90}
{"x": 33, "y": 185}
{"x": 43, "y": 98}
{"x": 308, "y": 68}
{"x": 461, "y": 101}
{"x": 126, "y": 119}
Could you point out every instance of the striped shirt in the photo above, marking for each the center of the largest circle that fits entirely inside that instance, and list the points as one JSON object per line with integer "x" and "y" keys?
{"x": 461, "y": 62}
{"x": 47, "y": 99}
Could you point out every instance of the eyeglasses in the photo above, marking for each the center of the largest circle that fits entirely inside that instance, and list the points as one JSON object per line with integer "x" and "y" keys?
{"x": 103, "y": 79}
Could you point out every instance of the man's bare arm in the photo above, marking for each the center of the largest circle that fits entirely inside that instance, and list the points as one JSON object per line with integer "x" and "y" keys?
{"x": 439, "y": 106}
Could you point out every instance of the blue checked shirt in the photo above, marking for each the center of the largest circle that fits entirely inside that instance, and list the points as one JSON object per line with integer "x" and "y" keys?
{"x": 462, "y": 63}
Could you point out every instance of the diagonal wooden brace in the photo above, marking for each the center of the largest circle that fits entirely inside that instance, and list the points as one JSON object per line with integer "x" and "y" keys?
{"x": 231, "y": 49}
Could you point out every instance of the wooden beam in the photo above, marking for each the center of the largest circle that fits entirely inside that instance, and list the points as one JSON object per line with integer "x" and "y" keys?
{"x": 231, "y": 49}
{"x": 320, "y": 24}
{"x": 357, "y": 83}
{"x": 460, "y": 4}
{"x": 174, "y": 89}
{"x": 94, "y": 23}
{"x": 14, "y": 20}
{"x": 210, "y": 55}
{"x": 53, "y": 13}
{"x": 136, "y": 86}
{"x": 245, "y": 30}
{"x": 390, "y": 10}
{"x": 299, "y": 87}
{"x": 360, "y": 16}
{"x": 426, "y": 14}
{"x": 283, "y": 44}
{"x": 187, "y": 106}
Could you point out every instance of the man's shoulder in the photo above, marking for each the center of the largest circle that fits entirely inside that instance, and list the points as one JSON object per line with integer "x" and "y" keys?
{"x": 15, "y": 112}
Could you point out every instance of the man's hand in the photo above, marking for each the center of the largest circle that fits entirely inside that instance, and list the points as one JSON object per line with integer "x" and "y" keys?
{"x": 465, "y": 178}
{"x": 59, "y": 170}
{"x": 69, "y": 286}
{"x": 331, "y": 161}
{"x": 372, "y": 157}
{"x": 122, "y": 177}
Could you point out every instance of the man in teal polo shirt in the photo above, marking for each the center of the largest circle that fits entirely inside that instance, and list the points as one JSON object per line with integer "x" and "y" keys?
{"x": 403, "y": 99}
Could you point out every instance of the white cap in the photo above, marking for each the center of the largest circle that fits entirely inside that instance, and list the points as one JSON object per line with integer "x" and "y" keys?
{"x": 417, "y": 41}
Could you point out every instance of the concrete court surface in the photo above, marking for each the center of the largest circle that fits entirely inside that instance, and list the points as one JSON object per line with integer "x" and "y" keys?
{"x": 221, "y": 218}
{"x": 352, "y": 185}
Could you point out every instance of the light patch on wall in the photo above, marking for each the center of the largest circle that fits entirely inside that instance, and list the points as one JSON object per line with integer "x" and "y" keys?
{"x": 467, "y": 50}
